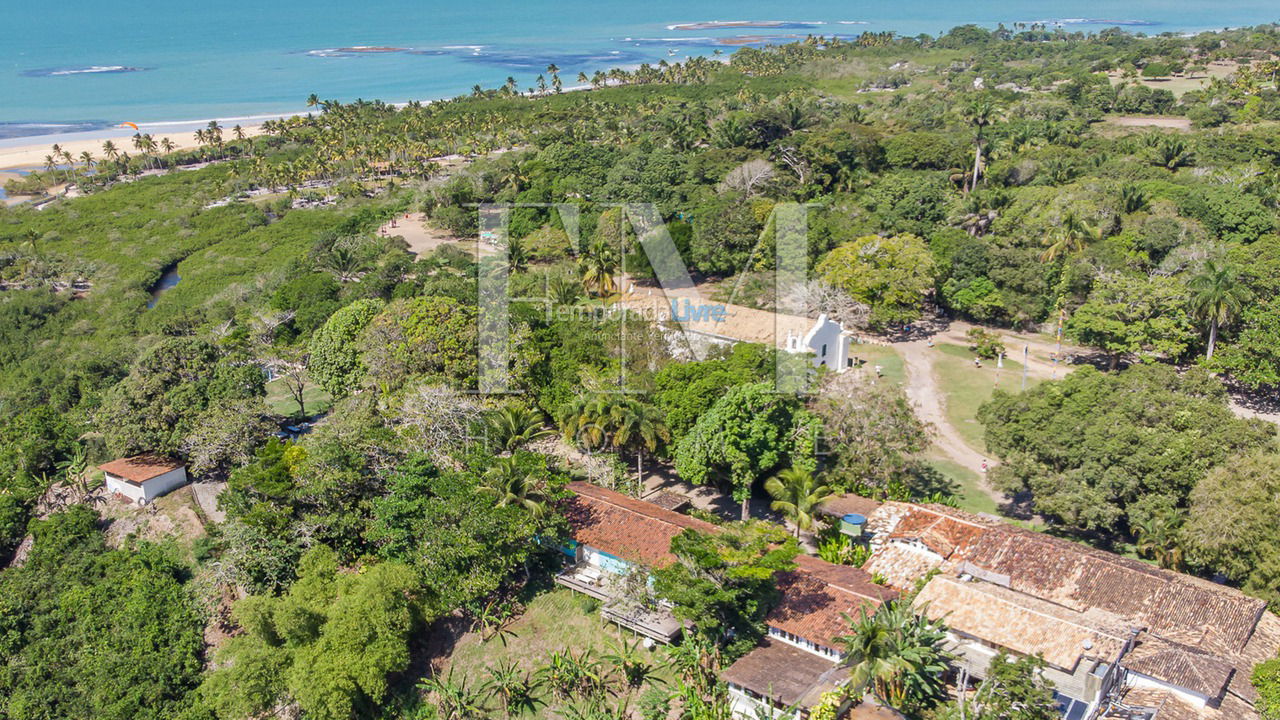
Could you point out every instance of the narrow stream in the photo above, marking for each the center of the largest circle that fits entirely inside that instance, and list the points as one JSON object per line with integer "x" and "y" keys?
{"x": 166, "y": 282}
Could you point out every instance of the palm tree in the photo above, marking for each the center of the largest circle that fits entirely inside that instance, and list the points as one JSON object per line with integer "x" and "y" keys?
{"x": 1157, "y": 537}
{"x": 512, "y": 484}
{"x": 621, "y": 422}
{"x": 313, "y": 100}
{"x": 110, "y": 150}
{"x": 1217, "y": 295}
{"x": 33, "y": 239}
{"x": 979, "y": 113}
{"x": 343, "y": 263}
{"x": 515, "y": 426}
{"x": 598, "y": 267}
{"x": 640, "y": 428}
{"x": 632, "y": 665}
{"x": 797, "y": 494}
{"x": 514, "y": 689}
{"x": 897, "y": 655}
{"x": 1072, "y": 236}
{"x": 1170, "y": 152}
{"x": 1132, "y": 198}
{"x": 455, "y": 700}
{"x": 563, "y": 290}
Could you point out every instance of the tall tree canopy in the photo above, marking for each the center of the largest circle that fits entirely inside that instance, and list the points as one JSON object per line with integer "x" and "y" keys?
{"x": 1100, "y": 451}
{"x": 747, "y": 434}
{"x": 892, "y": 275}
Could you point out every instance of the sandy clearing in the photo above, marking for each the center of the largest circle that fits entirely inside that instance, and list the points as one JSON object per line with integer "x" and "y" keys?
{"x": 422, "y": 238}
{"x": 1160, "y": 121}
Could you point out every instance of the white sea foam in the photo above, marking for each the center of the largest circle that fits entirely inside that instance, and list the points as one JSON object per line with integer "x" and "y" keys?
{"x": 754, "y": 24}
{"x": 94, "y": 69}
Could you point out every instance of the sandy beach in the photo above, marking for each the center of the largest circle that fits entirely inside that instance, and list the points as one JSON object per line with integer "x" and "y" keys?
{"x": 32, "y": 155}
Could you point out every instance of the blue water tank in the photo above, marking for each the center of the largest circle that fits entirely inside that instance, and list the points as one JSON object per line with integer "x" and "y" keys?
{"x": 853, "y": 525}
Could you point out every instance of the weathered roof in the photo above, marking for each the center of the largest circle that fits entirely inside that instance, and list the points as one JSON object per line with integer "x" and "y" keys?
{"x": 785, "y": 673}
{"x": 946, "y": 531}
{"x": 1202, "y": 636}
{"x": 1264, "y": 644}
{"x": 1179, "y": 665}
{"x": 1022, "y": 623}
{"x": 817, "y": 595}
{"x": 841, "y": 505}
{"x": 1168, "y": 705}
{"x": 631, "y": 529}
{"x": 140, "y": 468}
{"x": 1196, "y": 611}
{"x": 900, "y": 565}
{"x": 667, "y": 500}
{"x": 1191, "y": 610}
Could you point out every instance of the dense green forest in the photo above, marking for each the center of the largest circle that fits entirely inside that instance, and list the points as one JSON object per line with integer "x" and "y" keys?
{"x": 1002, "y": 178}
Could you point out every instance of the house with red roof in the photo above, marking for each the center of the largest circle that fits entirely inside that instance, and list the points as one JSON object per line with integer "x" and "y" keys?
{"x": 143, "y": 478}
{"x": 799, "y": 662}
{"x": 617, "y": 540}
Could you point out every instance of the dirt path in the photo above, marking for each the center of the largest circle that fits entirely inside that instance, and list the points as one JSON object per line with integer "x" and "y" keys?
{"x": 924, "y": 393}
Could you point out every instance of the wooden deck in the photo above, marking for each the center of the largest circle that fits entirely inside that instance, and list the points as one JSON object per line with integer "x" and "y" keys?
{"x": 658, "y": 624}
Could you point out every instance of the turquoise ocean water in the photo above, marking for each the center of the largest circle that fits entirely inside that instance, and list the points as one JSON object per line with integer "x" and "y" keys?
{"x": 88, "y": 64}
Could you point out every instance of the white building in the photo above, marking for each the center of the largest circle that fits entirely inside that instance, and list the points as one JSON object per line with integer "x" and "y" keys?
{"x": 828, "y": 342}
{"x": 144, "y": 478}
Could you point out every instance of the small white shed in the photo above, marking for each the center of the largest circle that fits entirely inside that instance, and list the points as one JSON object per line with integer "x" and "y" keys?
{"x": 143, "y": 478}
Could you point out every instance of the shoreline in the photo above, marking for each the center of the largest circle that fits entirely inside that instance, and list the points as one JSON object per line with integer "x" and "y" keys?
{"x": 28, "y": 152}
{"x": 30, "y": 156}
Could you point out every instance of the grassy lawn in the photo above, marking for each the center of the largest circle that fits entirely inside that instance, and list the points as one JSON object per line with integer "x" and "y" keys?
{"x": 972, "y": 498}
{"x": 281, "y": 401}
{"x": 554, "y": 620}
{"x": 884, "y": 356}
{"x": 966, "y": 387}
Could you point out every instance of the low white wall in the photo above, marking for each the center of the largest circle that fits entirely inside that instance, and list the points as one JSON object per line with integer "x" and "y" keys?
{"x": 125, "y": 488}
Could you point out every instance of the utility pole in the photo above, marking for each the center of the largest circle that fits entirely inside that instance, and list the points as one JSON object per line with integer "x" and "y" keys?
{"x": 1024, "y": 366}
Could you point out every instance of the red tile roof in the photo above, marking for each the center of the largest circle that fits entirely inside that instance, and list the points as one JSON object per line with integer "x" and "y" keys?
{"x": 140, "y": 468}
{"x": 1191, "y": 610}
{"x": 817, "y": 594}
{"x": 943, "y": 530}
{"x": 625, "y": 527}
{"x": 1222, "y": 631}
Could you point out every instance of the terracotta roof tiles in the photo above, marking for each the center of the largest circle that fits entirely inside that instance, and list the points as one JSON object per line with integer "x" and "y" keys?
{"x": 1179, "y": 665}
{"x": 625, "y": 527}
{"x": 140, "y": 468}
{"x": 1022, "y": 623}
{"x": 817, "y": 595}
